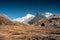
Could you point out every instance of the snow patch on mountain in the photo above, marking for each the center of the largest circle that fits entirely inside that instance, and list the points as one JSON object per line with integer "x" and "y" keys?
{"x": 24, "y": 19}
{"x": 48, "y": 14}
{"x": 30, "y": 17}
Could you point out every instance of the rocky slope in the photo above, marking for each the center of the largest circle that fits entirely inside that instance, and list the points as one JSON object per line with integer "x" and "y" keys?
{"x": 55, "y": 22}
{"x": 36, "y": 18}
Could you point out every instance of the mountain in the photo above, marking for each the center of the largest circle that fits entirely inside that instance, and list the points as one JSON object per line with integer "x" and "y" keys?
{"x": 4, "y": 20}
{"x": 43, "y": 29}
{"x": 50, "y": 20}
{"x": 47, "y": 14}
{"x": 30, "y": 19}
{"x": 54, "y": 22}
{"x": 39, "y": 16}
{"x": 36, "y": 18}
{"x": 4, "y": 16}
{"x": 25, "y": 19}
{"x": 54, "y": 16}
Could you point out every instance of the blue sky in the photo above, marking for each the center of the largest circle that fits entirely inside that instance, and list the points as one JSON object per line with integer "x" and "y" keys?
{"x": 19, "y": 8}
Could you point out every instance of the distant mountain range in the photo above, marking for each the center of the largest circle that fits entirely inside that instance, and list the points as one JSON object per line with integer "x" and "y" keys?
{"x": 29, "y": 18}
{"x": 39, "y": 17}
{"x": 42, "y": 27}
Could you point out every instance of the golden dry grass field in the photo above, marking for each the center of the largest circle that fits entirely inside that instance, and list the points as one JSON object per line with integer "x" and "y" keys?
{"x": 21, "y": 32}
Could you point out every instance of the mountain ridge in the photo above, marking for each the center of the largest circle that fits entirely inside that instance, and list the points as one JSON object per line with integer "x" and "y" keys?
{"x": 43, "y": 29}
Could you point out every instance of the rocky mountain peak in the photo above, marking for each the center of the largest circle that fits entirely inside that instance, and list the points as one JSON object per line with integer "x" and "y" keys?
{"x": 36, "y": 18}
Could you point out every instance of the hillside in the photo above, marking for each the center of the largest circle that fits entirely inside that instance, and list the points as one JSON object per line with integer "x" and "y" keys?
{"x": 43, "y": 29}
{"x": 28, "y": 33}
{"x": 4, "y": 20}
{"x": 55, "y": 22}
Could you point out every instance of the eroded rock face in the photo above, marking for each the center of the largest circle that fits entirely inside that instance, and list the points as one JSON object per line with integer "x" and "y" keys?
{"x": 55, "y": 22}
{"x": 36, "y": 18}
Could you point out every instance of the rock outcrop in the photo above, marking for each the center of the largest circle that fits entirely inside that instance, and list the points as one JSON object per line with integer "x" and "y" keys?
{"x": 36, "y": 18}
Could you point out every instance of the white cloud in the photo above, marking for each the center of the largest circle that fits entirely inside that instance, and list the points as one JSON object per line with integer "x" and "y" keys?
{"x": 24, "y": 19}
